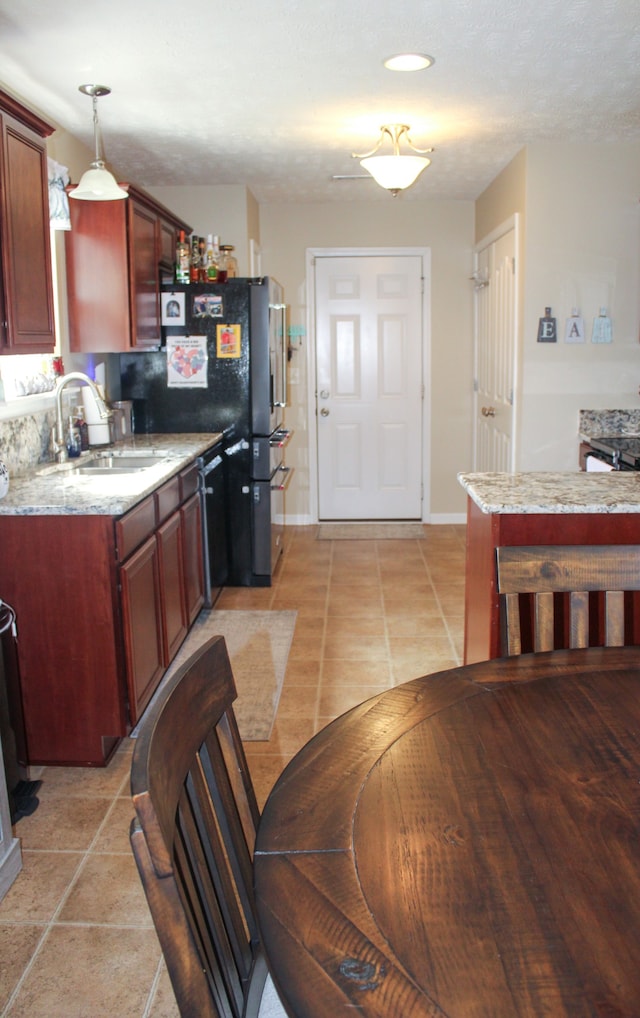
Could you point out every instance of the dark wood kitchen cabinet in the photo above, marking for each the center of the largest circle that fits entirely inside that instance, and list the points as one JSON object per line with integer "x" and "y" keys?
{"x": 158, "y": 594}
{"x": 118, "y": 252}
{"x": 26, "y": 289}
{"x": 102, "y": 606}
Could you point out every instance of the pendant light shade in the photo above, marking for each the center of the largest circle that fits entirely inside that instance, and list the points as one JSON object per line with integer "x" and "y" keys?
{"x": 96, "y": 183}
{"x": 394, "y": 172}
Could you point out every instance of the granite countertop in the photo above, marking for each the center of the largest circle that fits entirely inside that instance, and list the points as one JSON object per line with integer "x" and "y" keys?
{"x": 50, "y": 490}
{"x": 546, "y": 492}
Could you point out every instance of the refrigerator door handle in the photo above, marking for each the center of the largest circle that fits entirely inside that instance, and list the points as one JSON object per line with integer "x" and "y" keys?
{"x": 282, "y": 338}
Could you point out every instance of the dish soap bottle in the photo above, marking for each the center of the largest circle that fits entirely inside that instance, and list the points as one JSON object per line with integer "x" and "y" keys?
{"x": 74, "y": 442}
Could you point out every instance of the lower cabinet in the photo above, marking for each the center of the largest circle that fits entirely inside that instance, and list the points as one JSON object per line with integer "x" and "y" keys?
{"x": 161, "y": 583}
{"x": 102, "y": 607}
{"x": 142, "y": 625}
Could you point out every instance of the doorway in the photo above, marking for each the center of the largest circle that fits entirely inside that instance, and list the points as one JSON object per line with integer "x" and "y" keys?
{"x": 369, "y": 362}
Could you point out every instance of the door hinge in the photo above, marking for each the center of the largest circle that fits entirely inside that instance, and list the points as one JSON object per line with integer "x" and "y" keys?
{"x": 513, "y": 266}
{"x": 421, "y": 284}
{"x": 476, "y": 386}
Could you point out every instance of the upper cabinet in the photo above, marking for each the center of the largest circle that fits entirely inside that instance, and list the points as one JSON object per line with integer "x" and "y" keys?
{"x": 117, "y": 254}
{"x": 26, "y": 291}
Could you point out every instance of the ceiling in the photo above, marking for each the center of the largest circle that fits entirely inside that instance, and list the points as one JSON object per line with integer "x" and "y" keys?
{"x": 277, "y": 96}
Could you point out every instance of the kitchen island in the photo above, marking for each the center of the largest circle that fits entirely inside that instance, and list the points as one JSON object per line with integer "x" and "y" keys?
{"x": 104, "y": 569}
{"x": 535, "y": 508}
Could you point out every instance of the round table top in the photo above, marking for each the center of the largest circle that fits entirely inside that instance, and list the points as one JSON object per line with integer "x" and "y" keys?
{"x": 466, "y": 844}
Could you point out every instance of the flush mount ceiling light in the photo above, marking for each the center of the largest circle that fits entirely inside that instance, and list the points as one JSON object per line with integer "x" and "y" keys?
{"x": 97, "y": 184}
{"x": 395, "y": 172}
{"x": 409, "y": 62}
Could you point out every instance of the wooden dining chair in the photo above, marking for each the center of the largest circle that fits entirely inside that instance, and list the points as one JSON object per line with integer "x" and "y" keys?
{"x": 534, "y": 617}
{"x": 193, "y": 838}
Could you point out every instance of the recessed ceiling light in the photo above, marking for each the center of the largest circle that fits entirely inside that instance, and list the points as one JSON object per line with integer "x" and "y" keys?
{"x": 409, "y": 62}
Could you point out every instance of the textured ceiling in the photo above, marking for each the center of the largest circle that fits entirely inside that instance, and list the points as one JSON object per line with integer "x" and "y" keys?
{"x": 277, "y": 95}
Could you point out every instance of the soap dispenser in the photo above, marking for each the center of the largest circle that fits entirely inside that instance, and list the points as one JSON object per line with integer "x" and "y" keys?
{"x": 74, "y": 440}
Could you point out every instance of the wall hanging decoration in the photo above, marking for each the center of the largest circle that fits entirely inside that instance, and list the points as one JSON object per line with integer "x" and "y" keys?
{"x": 547, "y": 328}
{"x": 601, "y": 328}
{"x": 574, "y": 328}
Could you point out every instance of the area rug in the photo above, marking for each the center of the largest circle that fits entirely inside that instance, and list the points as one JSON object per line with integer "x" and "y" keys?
{"x": 369, "y": 531}
{"x": 258, "y": 643}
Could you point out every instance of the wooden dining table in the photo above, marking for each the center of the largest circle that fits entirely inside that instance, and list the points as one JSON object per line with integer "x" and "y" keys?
{"x": 466, "y": 844}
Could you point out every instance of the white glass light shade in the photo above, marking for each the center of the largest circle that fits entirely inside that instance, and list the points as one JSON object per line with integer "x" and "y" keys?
{"x": 97, "y": 184}
{"x": 395, "y": 172}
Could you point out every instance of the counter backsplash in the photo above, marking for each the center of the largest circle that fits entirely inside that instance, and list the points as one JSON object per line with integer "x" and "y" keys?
{"x": 26, "y": 441}
{"x": 594, "y": 423}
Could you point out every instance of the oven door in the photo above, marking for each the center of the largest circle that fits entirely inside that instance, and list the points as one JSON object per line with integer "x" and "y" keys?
{"x": 596, "y": 462}
{"x": 602, "y": 462}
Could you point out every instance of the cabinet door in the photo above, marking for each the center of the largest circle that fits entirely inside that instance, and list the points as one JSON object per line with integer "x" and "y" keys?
{"x": 174, "y": 621}
{"x": 192, "y": 555}
{"x": 24, "y": 238}
{"x": 167, "y": 236}
{"x": 142, "y": 624}
{"x": 144, "y": 277}
{"x": 97, "y": 277}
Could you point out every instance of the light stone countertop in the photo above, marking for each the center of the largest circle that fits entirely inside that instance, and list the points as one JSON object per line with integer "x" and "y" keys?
{"x": 50, "y": 490}
{"x": 546, "y": 492}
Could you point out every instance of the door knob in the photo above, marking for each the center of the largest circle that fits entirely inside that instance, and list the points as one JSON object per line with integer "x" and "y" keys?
{"x": 324, "y": 394}
{"x": 488, "y": 411}
{"x": 324, "y": 412}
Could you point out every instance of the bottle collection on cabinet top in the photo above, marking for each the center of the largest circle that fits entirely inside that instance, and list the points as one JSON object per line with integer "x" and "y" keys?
{"x": 204, "y": 261}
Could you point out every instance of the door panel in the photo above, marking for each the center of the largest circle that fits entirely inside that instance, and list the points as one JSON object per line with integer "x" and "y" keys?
{"x": 495, "y": 341}
{"x": 369, "y": 386}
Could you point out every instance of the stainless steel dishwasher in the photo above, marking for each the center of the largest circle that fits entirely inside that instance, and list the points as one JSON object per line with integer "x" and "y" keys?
{"x": 213, "y": 503}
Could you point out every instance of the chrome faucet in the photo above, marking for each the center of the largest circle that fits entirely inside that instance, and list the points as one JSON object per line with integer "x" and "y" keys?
{"x": 59, "y": 445}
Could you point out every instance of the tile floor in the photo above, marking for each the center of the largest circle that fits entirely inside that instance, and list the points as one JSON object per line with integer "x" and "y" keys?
{"x": 76, "y": 940}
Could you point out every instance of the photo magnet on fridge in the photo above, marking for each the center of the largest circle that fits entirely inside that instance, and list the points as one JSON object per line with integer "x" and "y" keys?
{"x": 172, "y": 309}
{"x": 228, "y": 340}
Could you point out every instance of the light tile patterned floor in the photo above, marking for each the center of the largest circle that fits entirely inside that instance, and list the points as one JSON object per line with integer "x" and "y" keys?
{"x": 76, "y": 940}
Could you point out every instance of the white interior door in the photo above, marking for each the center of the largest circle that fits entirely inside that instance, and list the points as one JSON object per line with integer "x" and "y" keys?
{"x": 495, "y": 353}
{"x": 369, "y": 386}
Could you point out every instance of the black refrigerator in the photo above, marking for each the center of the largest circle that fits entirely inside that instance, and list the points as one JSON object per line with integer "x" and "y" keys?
{"x": 222, "y": 368}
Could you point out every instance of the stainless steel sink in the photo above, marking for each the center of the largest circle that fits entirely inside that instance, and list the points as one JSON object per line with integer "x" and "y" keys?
{"x": 116, "y": 464}
{"x": 130, "y": 462}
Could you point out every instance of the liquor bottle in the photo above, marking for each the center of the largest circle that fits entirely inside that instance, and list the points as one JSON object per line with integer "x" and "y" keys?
{"x": 194, "y": 267}
{"x": 211, "y": 262}
{"x": 182, "y": 260}
{"x": 229, "y": 261}
{"x": 202, "y": 252}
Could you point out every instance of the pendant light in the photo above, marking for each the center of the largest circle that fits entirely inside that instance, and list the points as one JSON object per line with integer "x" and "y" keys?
{"x": 394, "y": 172}
{"x": 97, "y": 184}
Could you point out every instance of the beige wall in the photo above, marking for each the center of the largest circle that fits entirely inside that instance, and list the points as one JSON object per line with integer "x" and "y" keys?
{"x": 581, "y": 250}
{"x": 446, "y": 227}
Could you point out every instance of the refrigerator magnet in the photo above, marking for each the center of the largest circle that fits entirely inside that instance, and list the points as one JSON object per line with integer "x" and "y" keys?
{"x": 172, "y": 309}
{"x": 228, "y": 340}
{"x": 207, "y": 305}
{"x": 187, "y": 362}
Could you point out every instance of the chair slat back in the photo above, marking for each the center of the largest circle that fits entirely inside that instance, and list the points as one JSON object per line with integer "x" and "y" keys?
{"x": 544, "y": 572}
{"x": 193, "y": 839}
